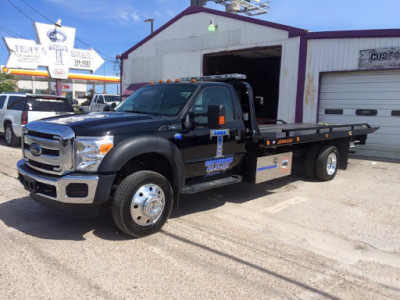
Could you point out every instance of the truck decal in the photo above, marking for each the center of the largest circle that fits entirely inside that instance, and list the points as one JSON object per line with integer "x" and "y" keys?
{"x": 217, "y": 166}
{"x": 219, "y": 133}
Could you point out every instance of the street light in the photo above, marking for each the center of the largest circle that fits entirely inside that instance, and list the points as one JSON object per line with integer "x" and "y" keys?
{"x": 58, "y": 23}
{"x": 151, "y": 21}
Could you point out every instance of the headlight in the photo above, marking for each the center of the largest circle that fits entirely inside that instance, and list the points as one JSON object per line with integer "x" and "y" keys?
{"x": 90, "y": 151}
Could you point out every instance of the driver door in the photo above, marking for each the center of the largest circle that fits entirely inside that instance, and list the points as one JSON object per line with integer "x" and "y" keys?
{"x": 212, "y": 152}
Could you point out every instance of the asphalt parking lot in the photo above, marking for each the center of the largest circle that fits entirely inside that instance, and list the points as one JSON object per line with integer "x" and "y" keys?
{"x": 286, "y": 239}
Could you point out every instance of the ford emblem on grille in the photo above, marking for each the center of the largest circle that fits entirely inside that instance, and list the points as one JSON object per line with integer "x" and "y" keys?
{"x": 35, "y": 149}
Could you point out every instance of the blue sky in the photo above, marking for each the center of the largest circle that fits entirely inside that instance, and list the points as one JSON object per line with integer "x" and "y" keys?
{"x": 113, "y": 26}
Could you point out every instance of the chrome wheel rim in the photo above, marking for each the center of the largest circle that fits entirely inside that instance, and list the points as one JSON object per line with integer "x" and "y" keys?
{"x": 8, "y": 135}
{"x": 147, "y": 204}
{"x": 331, "y": 164}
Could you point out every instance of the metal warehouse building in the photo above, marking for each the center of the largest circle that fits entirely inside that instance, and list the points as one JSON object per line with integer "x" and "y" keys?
{"x": 297, "y": 76}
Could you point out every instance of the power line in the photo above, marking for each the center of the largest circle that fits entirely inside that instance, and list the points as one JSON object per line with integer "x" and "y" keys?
{"x": 78, "y": 39}
{"x": 21, "y": 11}
{"x": 36, "y": 11}
{"x": 10, "y": 32}
{"x": 14, "y": 36}
{"x": 7, "y": 33}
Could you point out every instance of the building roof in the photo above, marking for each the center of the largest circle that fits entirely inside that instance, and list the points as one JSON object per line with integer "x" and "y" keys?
{"x": 292, "y": 31}
{"x": 374, "y": 33}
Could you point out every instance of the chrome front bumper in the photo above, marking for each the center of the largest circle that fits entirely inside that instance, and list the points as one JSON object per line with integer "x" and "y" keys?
{"x": 38, "y": 184}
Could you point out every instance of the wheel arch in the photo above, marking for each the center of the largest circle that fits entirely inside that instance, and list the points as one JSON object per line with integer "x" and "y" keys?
{"x": 6, "y": 122}
{"x": 149, "y": 148}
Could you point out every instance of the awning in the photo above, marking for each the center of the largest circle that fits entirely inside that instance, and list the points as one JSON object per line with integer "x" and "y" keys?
{"x": 43, "y": 75}
{"x": 131, "y": 88}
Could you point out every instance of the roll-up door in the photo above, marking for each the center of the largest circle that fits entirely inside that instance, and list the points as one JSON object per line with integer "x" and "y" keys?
{"x": 365, "y": 97}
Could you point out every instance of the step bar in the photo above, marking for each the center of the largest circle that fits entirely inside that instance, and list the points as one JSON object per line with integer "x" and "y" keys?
{"x": 200, "y": 187}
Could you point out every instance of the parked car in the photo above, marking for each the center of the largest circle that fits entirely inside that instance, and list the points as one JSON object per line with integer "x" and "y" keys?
{"x": 16, "y": 110}
{"x": 102, "y": 102}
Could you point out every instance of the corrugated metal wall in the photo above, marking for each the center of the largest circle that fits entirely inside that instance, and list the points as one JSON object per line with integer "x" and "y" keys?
{"x": 332, "y": 55}
{"x": 178, "y": 51}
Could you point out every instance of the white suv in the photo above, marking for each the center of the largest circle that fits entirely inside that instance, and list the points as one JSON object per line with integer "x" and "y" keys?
{"x": 16, "y": 110}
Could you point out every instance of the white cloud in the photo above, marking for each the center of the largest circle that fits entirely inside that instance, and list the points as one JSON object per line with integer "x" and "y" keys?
{"x": 135, "y": 17}
{"x": 120, "y": 12}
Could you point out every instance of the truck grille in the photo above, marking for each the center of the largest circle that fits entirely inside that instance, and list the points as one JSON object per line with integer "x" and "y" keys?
{"x": 48, "y": 147}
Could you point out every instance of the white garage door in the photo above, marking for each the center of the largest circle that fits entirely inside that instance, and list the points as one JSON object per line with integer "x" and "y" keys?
{"x": 365, "y": 97}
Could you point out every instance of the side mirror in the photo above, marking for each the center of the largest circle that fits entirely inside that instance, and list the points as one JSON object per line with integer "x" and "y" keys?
{"x": 187, "y": 123}
{"x": 216, "y": 116}
{"x": 109, "y": 107}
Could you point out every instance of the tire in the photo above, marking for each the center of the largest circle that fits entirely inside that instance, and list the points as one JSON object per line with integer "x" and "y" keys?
{"x": 142, "y": 203}
{"x": 327, "y": 163}
{"x": 10, "y": 137}
{"x": 310, "y": 160}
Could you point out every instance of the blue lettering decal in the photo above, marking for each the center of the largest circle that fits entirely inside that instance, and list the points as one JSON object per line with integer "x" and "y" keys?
{"x": 218, "y": 166}
{"x": 266, "y": 168}
{"x": 219, "y": 132}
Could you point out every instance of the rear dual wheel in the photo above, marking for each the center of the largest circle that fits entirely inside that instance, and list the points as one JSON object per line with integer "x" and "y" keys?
{"x": 142, "y": 203}
{"x": 321, "y": 162}
{"x": 327, "y": 163}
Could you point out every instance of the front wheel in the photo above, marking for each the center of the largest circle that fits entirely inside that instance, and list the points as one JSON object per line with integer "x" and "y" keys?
{"x": 327, "y": 163}
{"x": 142, "y": 203}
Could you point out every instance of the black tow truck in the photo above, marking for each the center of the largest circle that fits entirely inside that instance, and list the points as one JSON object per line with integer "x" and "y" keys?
{"x": 169, "y": 139}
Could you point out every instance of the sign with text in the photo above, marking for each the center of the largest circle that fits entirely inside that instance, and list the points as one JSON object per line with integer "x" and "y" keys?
{"x": 55, "y": 51}
{"x": 64, "y": 87}
{"x": 386, "y": 58}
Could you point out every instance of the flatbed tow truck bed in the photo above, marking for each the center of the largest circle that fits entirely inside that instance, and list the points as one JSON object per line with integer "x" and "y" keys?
{"x": 290, "y": 134}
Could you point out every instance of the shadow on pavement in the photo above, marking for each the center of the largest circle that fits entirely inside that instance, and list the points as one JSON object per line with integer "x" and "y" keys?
{"x": 31, "y": 218}
{"x": 236, "y": 193}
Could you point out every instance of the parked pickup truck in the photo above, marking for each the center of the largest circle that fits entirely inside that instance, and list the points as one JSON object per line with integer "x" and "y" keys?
{"x": 102, "y": 102}
{"x": 170, "y": 139}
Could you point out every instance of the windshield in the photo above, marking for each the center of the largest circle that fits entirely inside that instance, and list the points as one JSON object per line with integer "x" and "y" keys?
{"x": 112, "y": 98}
{"x": 164, "y": 99}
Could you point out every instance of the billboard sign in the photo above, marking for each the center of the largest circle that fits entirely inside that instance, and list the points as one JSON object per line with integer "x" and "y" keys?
{"x": 55, "y": 51}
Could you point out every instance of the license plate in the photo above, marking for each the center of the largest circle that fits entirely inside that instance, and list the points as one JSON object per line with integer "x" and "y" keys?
{"x": 30, "y": 184}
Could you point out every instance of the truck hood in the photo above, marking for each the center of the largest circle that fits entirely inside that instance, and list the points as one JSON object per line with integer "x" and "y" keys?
{"x": 112, "y": 123}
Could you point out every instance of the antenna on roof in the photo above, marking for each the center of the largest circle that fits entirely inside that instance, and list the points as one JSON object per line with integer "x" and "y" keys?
{"x": 248, "y": 7}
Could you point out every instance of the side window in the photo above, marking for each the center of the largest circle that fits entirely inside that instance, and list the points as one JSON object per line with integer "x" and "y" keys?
{"x": 16, "y": 103}
{"x": 211, "y": 96}
{"x": 2, "y": 100}
{"x": 100, "y": 99}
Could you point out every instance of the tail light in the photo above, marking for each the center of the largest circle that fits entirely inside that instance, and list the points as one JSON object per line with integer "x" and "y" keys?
{"x": 24, "y": 117}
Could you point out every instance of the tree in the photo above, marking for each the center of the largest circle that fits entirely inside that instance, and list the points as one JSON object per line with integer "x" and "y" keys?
{"x": 7, "y": 83}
